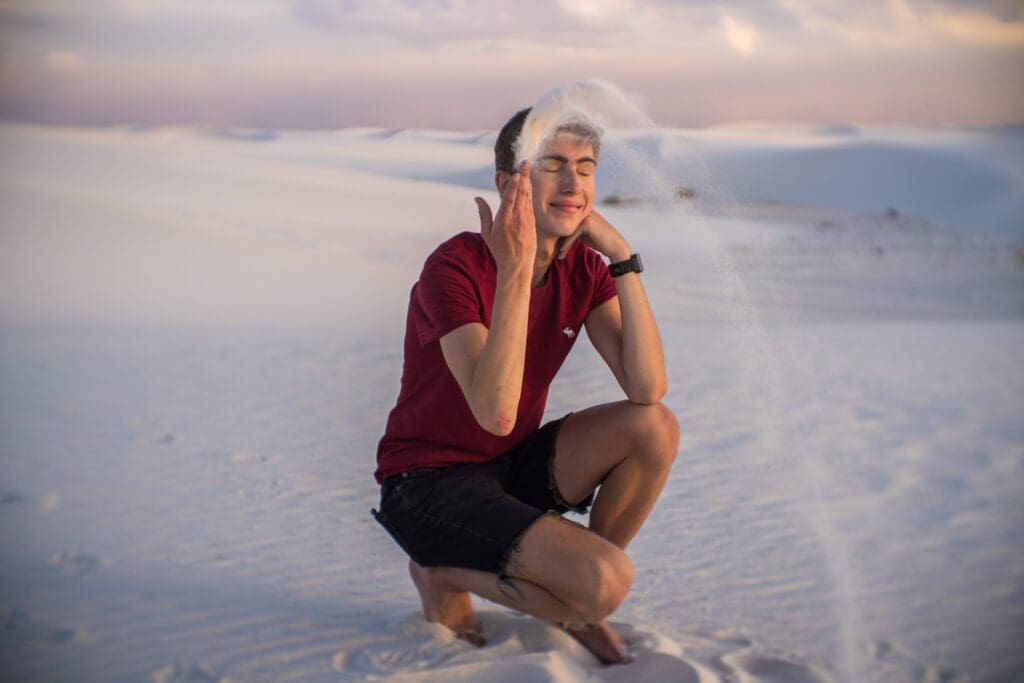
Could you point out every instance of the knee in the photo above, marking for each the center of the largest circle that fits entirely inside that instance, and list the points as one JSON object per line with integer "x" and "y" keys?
{"x": 656, "y": 433}
{"x": 611, "y": 577}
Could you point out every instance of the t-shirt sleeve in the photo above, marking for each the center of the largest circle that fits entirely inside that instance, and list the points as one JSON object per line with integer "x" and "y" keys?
{"x": 447, "y": 296}
{"x": 604, "y": 284}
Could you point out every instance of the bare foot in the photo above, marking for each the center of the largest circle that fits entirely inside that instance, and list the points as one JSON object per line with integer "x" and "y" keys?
{"x": 601, "y": 640}
{"x": 446, "y": 605}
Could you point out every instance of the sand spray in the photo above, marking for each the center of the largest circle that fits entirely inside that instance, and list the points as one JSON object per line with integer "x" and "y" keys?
{"x": 594, "y": 101}
{"x": 606, "y": 107}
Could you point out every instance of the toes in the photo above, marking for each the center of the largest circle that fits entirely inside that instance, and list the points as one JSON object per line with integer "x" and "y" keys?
{"x": 602, "y": 642}
{"x": 473, "y": 637}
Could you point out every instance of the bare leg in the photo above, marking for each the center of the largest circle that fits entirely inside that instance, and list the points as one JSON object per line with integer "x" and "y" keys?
{"x": 628, "y": 450}
{"x": 625, "y": 448}
{"x": 562, "y": 572}
{"x": 580, "y": 593}
{"x": 449, "y": 604}
{"x": 626, "y": 498}
{"x": 446, "y": 604}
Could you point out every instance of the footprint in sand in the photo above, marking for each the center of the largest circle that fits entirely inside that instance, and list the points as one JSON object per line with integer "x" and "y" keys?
{"x": 195, "y": 673}
{"x": 883, "y": 650}
{"x": 410, "y": 644}
{"x": 20, "y": 626}
{"x": 751, "y": 667}
{"x": 11, "y": 498}
{"x": 932, "y": 674}
{"x": 50, "y": 503}
{"x": 243, "y": 456}
{"x": 75, "y": 565}
{"x": 518, "y": 649}
{"x": 889, "y": 653}
{"x": 256, "y": 489}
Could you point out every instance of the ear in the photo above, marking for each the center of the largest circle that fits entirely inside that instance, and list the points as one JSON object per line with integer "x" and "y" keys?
{"x": 501, "y": 179}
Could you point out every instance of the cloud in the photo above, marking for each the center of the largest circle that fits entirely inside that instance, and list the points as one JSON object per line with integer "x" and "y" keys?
{"x": 144, "y": 30}
{"x": 138, "y": 9}
{"x": 458, "y": 63}
{"x": 64, "y": 61}
{"x": 429, "y": 22}
{"x": 743, "y": 38}
{"x": 907, "y": 24}
{"x": 1007, "y": 10}
{"x": 283, "y": 90}
{"x": 601, "y": 10}
{"x": 973, "y": 27}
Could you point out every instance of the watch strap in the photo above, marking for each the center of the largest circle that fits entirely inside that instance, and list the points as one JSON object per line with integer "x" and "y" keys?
{"x": 631, "y": 265}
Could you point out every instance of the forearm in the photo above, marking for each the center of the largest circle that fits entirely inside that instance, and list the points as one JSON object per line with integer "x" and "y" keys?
{"x": 498, "y": 378}
{"x": 643, "y": 359}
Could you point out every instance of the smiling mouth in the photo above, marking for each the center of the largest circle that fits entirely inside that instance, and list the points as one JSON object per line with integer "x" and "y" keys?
{"x": 567, "y": 208}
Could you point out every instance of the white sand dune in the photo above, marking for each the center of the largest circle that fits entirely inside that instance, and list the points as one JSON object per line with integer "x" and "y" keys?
{"x": 200, "y": 337}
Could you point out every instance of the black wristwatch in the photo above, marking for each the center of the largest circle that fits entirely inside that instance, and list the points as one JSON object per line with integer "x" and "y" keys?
{"x": 631, "y": 265}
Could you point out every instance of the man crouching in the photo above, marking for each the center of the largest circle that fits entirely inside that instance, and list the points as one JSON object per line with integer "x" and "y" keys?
{"x": 472, "y": 487}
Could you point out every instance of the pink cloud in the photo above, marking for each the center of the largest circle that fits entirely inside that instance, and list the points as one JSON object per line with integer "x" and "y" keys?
{"x": 473, "y": 65}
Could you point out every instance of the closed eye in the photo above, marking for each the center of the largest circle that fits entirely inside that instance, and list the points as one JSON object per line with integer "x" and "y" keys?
{"x": 556, "y": 164}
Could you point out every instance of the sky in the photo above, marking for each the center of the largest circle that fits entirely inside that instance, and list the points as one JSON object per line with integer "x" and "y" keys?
{"x": 470, "y": 64}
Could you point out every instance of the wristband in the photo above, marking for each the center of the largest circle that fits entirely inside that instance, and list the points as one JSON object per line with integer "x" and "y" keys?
{"x": 631, "y": 265}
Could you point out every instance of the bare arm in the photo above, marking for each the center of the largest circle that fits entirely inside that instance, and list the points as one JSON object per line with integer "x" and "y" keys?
{"x": 623, "y": 329}
{"x": 488, "y": 363}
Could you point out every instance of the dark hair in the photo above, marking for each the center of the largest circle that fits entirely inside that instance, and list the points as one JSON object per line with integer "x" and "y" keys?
{"x": 505, "y": 146}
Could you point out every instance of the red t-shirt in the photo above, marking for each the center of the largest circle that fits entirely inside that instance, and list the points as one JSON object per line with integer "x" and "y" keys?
{"x": 431, "y": 424}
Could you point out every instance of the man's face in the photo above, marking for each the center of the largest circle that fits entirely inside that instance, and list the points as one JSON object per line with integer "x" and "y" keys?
{"x": 563, "y": 184}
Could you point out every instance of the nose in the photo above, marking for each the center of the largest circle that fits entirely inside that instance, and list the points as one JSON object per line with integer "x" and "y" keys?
{"x": 569, "y": 182}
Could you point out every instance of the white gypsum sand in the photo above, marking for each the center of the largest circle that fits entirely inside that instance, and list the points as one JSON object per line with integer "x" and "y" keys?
{"x": 200, "y": 337}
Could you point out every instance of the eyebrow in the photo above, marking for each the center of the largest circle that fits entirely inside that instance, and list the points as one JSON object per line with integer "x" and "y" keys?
{"x": 565, "y": 160}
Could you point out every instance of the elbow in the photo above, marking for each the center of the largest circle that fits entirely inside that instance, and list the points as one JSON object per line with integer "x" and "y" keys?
{"x": 501, "y": 426}
{"x": 645, "y": 399}
{"x": 497, "y": 423}
{"x": 496, "y": 414}
{"x": 648, "y": 394}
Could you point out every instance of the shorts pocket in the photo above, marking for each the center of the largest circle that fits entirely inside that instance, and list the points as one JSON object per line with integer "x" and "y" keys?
{"x": 383, "y": 520}
{"x": 415, "y": 488}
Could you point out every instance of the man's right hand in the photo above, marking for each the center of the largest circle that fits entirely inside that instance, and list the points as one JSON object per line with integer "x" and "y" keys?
{"x": 488, "y": 362}
{"x": 511, "y": 235}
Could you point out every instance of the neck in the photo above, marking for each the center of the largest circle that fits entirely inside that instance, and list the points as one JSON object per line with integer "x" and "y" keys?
{"x": 547, "y": 247}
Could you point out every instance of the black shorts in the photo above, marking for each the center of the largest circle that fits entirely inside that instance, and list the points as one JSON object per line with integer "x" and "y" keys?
{"x": 473, "y": 515}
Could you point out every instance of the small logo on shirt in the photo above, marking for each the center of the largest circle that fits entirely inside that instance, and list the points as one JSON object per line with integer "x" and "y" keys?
{"x": 568, "y": 332}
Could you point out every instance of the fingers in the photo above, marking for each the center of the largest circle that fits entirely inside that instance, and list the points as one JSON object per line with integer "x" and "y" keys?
{"x": 511, "y": 189}
{"x": 567, "y": 242}
{"x": 524, "y": 173}
{"x": 524, "y": 197}
{"x": 515, "y": 213}
{"x": 486, "y": 218}
{"x": 517, "y": 197}
{"x": 561, "y": 252}
{"x": 563, "y": 247}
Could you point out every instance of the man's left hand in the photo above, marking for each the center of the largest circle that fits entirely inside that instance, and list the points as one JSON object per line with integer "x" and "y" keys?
{"x": 601, "y": 236}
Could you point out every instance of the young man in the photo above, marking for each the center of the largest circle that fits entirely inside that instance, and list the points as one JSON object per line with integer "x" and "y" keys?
{"x": 469, "y": 484}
